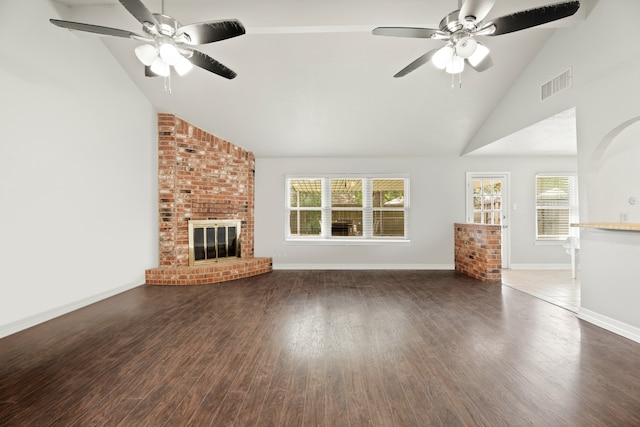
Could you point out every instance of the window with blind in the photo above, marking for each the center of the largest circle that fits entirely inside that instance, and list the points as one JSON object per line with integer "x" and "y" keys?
{"x": 347, "y": 208}
{"x": 556, "y": 205}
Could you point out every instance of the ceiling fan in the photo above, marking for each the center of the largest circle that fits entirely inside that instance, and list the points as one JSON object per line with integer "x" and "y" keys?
{"x": 168, "y": 43}
{"x": 460, "y": 28}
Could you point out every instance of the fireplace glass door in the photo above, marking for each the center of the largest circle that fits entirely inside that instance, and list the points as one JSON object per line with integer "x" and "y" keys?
{"x": 210, "y": 241}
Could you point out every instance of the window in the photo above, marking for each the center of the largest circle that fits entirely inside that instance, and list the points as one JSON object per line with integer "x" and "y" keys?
{"x": 556, "y": 205}
{"x": 347, "y": 208}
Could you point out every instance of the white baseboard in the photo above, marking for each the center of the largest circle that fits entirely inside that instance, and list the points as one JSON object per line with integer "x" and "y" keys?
{"x": 612, "y": 325}
{"x": 294, "y": 266}
{"x": 540, "y": 266}
{"x": 28, "y": 322}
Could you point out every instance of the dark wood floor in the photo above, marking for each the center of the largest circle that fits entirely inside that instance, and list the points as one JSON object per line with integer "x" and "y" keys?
{"x": 321, "y": 348}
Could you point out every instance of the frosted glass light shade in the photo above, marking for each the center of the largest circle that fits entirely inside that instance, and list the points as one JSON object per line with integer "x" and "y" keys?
{"x": 183, "y": 66}
{"x": 466, "y": 46}
{"x": 480, "y": 53}
{"x": 160, "y": 68}
{"x": 169, "y": 53}
{"x": 442, "y": 57}
{"x": 456, "y": 65}
{"x": 147, "y": 54}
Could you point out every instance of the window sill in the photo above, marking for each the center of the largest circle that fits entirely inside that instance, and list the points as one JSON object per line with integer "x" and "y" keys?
{"x": 549, "y": 242}
{"x": 345, "y": 242}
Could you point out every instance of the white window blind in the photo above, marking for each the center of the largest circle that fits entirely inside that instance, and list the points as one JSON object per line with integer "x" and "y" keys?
{"x": 556, "y": 205}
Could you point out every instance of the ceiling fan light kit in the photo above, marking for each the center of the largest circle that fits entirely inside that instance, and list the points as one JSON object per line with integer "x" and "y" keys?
{"x": 460, "y": 28}
{"x": 455, "y": 65}
{"x": 161, "y": 68}
{"x": 169, "y": 53}
{"x": 480, "y": 54}
{"x": 168, "y": 44}
{"x": 466, "y": 46}
{"x": 442, "y": 57}
{"x": 182, "y": 66}
{"x": 451, "y": 57}
{"x": 146, "y": 54}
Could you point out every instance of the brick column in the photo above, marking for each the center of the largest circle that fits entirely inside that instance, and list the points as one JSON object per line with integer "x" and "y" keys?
{"x": 478, "y": 251}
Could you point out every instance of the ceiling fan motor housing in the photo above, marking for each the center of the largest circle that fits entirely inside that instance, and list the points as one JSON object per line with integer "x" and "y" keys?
{"x": 167, "y": 26}
{"x": 452, "y": 23}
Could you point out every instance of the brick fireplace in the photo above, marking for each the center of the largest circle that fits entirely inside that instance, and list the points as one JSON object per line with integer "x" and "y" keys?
{"x": 201, "y": 177}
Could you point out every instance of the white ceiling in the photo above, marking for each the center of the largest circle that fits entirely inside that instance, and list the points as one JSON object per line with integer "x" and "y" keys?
{"x": 313, "y": 81}
{"x": 553, "y": 136}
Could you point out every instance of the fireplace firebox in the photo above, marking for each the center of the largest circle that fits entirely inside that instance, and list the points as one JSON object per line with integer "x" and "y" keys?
{"x": 213, "y": 240}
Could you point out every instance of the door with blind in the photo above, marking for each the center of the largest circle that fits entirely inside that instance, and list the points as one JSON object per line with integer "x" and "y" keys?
{"x": 487, "y": 203}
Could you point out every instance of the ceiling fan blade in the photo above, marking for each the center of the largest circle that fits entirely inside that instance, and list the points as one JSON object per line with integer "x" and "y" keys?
{"x": 139, "y": 11}
{"x": 532, "y": 17}
{"x": 206, "y": 62}
{"x": 481, "y": 66}
{"x": 148, "y": 72}
{"x": 478, "y": 9}
{"x": 418, "y": 33}
{"x": 211, "y": 31}
{"x": 417, "y": 63}
{"x": 97, "y": 29}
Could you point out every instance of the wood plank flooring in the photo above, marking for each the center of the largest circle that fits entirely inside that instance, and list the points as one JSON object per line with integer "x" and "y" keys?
{"x": 321, "y": 348}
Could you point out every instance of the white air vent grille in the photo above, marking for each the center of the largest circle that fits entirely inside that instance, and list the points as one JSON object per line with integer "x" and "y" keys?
{"x": 556, "y": 85}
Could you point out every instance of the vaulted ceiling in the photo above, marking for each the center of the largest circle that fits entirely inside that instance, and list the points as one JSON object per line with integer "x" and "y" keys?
{"x": 313, "y": 81}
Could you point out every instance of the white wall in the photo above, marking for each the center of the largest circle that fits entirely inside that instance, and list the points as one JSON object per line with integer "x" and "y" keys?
{"x": 437, "y": 201}
{"x": 610, "y": 294}
{"x": 606, "y": 94}
{"x": 78, "y": 177}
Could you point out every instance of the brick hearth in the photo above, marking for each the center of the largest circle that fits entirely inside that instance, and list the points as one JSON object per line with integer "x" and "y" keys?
{"x": 201, "y": 177}
{"x": 203, "y": 274}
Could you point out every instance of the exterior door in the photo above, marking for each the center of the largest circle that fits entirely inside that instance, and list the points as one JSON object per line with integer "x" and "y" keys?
{"x": 487, "y": 203}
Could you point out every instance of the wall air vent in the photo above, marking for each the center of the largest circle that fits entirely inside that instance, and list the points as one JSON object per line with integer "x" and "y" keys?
{"x": 556, "y": 85}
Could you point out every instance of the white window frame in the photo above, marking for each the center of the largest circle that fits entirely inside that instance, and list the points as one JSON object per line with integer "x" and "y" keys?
{"x": 367, "y": 211}
{"x": 573, "y": 206}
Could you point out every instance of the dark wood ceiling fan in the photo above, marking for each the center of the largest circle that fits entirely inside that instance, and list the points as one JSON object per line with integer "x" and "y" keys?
{"x": 168, "y": 43}
{"x": 460, "y": 28}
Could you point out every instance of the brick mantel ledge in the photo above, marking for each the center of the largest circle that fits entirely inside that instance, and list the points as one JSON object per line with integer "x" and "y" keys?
{"x": 221, "y": 271}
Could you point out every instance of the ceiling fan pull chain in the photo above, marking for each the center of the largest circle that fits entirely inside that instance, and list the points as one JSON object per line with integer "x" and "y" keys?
{"x": 453, "y": 81}
{"x": 167, "y": 83}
